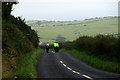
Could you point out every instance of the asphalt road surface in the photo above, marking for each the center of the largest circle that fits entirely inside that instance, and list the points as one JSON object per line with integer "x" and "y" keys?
{"x": 65, "y": 66}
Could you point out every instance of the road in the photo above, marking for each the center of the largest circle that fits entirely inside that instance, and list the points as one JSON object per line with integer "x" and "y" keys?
{"x": 65, "y": 66}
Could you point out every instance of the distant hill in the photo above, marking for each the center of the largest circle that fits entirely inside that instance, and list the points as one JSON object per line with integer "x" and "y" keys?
{"x": 36, "y": 23}
{"x": 49, "y": 30}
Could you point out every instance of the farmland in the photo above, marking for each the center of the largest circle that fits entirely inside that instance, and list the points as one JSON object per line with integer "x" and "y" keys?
{"x": 70, "y": 30}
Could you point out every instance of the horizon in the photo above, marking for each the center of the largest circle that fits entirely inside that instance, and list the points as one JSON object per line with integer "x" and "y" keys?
{"x": 73, "y": 20}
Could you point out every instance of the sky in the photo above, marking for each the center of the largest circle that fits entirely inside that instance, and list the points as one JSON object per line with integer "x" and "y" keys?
{"x": 65, "y": 10}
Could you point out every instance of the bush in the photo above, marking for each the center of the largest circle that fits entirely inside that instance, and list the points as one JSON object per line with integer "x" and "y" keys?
{"x": 102, "y": 46}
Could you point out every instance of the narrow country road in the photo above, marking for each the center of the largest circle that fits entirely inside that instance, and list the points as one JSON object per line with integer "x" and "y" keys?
{"x": 65, "y": 66}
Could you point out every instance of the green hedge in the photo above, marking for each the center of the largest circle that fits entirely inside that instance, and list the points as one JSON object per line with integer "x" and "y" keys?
{"x": 102, "y": 46}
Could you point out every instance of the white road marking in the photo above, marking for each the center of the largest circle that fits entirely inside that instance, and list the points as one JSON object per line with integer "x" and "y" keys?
{"x": 64, "y": 65}
{"x": 69, "y": 68}
{"x": 61, "y": 62}
{"x": 75, "y": 71}
{"x": 87, "y": 76}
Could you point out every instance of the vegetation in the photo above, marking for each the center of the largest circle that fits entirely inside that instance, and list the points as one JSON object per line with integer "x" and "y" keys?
{"x": 95, "y": 39}
{"x": 95, "y": 61}
{"x": 104, "y": 47}
{"x": 18, "y": 39}
{"x": 104, "y": 50}
{"x": 20, "y": 42}
{"x": 71, "y": 30}
{"x": 27, "y": 65}
{"x": 59, "y": 38}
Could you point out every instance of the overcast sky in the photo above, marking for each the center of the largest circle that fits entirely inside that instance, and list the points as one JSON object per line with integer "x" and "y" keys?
{"x": 65, "y": 10}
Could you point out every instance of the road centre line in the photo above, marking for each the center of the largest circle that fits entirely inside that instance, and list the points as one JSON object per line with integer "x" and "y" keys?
{"x": 61, "y": 62}
{"x": 75, "y": 71}
{"x": 64, "y": 65}
{"x": 69, "y": 68}
{"x": 87, "y": 76}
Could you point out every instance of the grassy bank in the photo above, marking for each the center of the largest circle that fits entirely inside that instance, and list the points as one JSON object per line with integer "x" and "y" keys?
{"x": 27, "y": 65}
{"x": 109, "y": 66}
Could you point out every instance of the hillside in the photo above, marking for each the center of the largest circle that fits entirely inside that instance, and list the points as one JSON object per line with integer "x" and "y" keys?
{"x": 18, "y": 39}
{"x": 70, "y": 30}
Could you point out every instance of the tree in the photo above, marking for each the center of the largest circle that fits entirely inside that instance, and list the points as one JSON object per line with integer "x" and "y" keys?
{"x": 59, "y": 38}
{"x": 39, "y": 23}
{"x": 6, "y": 9}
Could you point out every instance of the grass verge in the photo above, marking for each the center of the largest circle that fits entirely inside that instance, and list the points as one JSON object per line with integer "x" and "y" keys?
{"x": 27, "y": 65}
{"x": 109, "y": 66}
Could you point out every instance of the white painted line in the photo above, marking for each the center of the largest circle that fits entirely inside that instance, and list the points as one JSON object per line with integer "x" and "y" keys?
{"x": 87, "y": 76}
{"x": 75, "y": 71}
{"x": 61, "y": 62}
{"x": 69, "y": 68}
{"x": 64, "y": 65}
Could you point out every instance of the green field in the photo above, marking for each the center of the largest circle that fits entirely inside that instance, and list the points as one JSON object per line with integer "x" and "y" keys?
{"x": 49, "y": 30}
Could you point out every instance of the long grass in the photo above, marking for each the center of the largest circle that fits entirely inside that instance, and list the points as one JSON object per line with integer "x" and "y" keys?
{"x": 27, "y": 65}
{"x": 109, "y": 66}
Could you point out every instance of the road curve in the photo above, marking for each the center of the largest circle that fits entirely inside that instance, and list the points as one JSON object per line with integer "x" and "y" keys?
{"x": 65, "y": 66}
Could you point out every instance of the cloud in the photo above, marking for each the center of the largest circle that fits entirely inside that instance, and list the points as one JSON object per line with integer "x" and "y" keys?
{"x": 65, "y": 9}
{"x": 68, "y": 1}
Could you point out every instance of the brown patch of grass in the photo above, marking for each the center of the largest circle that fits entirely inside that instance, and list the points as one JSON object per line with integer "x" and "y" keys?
{"x": 8, "y": 65}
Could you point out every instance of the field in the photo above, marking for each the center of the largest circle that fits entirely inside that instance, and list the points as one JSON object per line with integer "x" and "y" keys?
{"x": 70, "y": 30}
